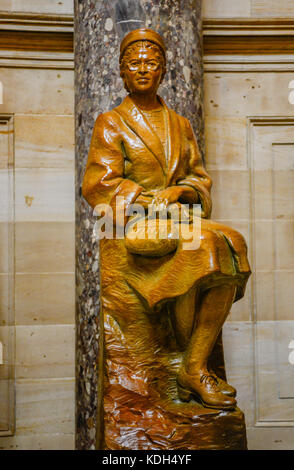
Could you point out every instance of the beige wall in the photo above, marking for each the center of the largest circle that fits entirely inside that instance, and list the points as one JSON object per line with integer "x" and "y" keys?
{"x": 250, "y": 155}
{"x": 38, "y": 6}
{"x": 248, "y": 8}
{"x": 41, "y": 100}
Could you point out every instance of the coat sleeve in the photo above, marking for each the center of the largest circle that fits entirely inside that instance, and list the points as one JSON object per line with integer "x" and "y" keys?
{"x": 196, "y": 176}
{"x": 104, "y": 176}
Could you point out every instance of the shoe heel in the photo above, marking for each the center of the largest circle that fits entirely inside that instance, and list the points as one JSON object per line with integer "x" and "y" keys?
{"x": 184, "y": 395}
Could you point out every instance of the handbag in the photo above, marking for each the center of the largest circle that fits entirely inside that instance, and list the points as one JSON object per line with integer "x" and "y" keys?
{"x": 151, "y": 237}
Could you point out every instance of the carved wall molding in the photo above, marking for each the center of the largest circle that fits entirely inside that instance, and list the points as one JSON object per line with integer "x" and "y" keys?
{"x": 54, "y": 33}
{"x": 35, "y": 22}
{"x": 248, "y": 36}
{"x": 37, "y": 59}
{"x": 48, "y": 41}
{"x": 36, "y": 40}
{"x": 251, "y": 63}
{"x": 243, "y": 26}
{"x": 248, "y": 45}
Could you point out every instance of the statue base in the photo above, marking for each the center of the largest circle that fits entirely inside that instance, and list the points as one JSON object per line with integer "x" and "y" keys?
{"x": 141, "y": 410}
{"x": 133, "y": 422}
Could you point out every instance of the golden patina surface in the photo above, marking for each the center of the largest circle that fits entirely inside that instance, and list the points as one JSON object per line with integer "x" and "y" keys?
{"x": 163, "y": 306}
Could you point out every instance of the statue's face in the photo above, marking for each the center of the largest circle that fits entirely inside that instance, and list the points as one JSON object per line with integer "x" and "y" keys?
{"x": 143, "y": 71}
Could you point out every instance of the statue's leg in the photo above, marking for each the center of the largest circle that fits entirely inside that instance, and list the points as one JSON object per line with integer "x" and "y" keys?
{"x": 214, "y": 309}
{"x": 194, "y": 377}
{"x": 183, "y": 316}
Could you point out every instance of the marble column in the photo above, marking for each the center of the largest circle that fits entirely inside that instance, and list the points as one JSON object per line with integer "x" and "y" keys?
{"x": 99, "y": 27}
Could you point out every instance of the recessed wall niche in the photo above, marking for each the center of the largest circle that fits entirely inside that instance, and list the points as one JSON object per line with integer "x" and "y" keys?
{"x": 271, "y": 143}
{"x": 6, "y": 276}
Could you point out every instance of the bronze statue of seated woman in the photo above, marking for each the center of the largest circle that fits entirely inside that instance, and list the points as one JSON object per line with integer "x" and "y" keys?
{"x": 162, "y": 314}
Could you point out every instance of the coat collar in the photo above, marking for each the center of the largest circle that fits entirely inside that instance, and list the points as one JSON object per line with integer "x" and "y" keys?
{"x": 136, "y": 120}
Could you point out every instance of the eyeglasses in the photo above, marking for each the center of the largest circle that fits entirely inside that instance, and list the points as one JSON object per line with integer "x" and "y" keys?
{"x": 136, "y": 64}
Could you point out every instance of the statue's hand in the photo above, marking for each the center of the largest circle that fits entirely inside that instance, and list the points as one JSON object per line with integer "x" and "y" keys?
{"x": 168, "y": 196}
{"x": 145, "y": 199}
{"x": 165, "y": 197}
{"x": 161, "y": 198}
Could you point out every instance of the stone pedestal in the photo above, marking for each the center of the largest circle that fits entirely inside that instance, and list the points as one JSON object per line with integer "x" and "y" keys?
{"x": 113, "y": 416}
